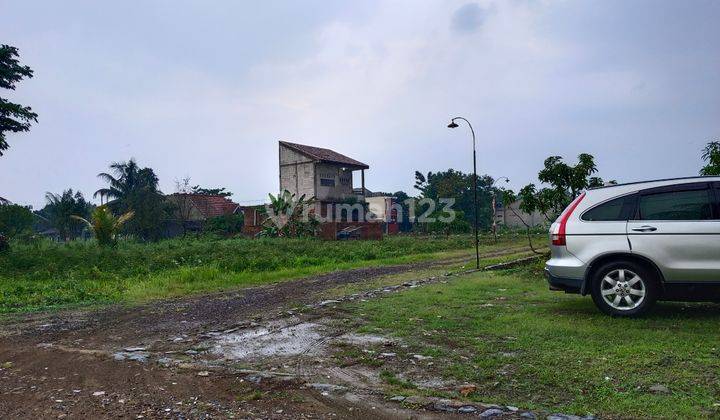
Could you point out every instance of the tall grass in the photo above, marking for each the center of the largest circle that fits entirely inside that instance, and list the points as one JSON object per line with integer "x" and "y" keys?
{"x": 48, "y": 274}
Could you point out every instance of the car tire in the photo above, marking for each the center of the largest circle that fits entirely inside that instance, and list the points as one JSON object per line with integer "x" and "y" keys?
{"x": 624, "y": 289}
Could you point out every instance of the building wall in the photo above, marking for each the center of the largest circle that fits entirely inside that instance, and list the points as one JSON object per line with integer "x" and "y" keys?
{"x": 380, "y": 206}
{"x": 253, "y": 220}
{"x": 508, "y": 218}
{"x": 343, "y": 188}
{"x": 297, "y": 173}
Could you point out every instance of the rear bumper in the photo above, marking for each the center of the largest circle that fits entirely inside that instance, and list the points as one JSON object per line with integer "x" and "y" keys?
{"x": 564, "y": 271}
{"x": 567, "y": 285}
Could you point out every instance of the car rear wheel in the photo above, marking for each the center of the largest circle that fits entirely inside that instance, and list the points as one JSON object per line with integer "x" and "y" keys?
{"x": 624, "y": 288}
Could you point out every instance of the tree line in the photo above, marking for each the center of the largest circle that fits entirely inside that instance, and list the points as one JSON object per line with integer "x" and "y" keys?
{"x": 131, "y": 203}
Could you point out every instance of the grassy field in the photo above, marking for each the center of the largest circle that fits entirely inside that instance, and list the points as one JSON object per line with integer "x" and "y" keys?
{"x": 526, "y": 346}
{"x": 56, "y": 275}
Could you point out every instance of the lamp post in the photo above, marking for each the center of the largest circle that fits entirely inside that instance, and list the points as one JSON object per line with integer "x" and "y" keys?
{"x": 494, "y": 206}
{"x": 453, "y": 124}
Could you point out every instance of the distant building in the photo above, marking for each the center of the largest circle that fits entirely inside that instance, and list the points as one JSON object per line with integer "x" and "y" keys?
{"x": 511, "y": 215}
{"x": 327, "y": 176}
{"x": 385, "y": 209}
{"x": 316, "y": 172}
{"x": 192, "y": 210}
{"x": 321, "y": 173}
{"x": 199, "y": 207}
{"x": 253, "y": 219}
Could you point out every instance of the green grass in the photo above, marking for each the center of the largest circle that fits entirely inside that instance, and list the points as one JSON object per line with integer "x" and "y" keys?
{"x": 58, "y": 275}
{"x": 526, "y": 346}
{"x": 423, "y": 273}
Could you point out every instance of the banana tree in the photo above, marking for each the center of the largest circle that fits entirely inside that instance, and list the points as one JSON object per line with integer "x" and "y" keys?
{"x": 289, "y": 216}
{"x": 105, "y": 225}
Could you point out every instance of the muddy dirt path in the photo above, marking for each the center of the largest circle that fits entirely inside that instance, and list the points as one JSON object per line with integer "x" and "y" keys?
{"x": 148, "y": 361}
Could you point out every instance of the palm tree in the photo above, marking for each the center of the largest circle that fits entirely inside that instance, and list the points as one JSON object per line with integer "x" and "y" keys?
{"x": 59, "y": 211}
{"x": 133, "y": 188}
{"x": 128, "y": 179}
{"x": 104, "y": 225}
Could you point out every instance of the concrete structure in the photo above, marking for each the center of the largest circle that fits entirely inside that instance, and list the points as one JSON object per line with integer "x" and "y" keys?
{"x": 317, "y": 172}
{"x": 253, "y": 219}
{"x": 510, "y": 216}
{"x": 327, "y": 176}
{"x": 385, "y": 210}
{"x": 381, "y": 207}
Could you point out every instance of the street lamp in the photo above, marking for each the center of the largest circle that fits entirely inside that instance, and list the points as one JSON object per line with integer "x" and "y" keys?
{"x": 453, "y": 124}
{"x": 494, "y": 206}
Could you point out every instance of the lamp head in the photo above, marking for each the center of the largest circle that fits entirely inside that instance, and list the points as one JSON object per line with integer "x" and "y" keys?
{"x": 452, "y": 124}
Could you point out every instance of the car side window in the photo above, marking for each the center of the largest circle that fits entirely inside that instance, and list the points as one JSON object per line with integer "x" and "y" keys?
{"x": 615, "y": 210}
{"x": 695, "y": 204}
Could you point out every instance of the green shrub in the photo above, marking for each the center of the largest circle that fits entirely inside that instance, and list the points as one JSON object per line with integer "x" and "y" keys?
{"x": 15, "y": 220}
{"x": 225, "y": 225}
{"x": 4, "y": 243}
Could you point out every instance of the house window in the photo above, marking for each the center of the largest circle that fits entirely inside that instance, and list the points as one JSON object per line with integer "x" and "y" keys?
{"x": 327, "y": 182}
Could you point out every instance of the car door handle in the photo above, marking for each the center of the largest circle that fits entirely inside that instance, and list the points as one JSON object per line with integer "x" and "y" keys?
{"x": 645, "y": 228}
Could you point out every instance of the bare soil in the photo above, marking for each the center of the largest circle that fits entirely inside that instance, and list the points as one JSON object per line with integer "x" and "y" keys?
{"x": 165, "y": 359}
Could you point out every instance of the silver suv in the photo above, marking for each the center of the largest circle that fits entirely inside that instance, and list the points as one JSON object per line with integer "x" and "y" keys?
{"x": 629, "y": 245}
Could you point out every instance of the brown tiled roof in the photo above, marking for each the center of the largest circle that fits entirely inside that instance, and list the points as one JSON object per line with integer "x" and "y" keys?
{"x": 325, "y": 155}
{"x": 212, "y": 205}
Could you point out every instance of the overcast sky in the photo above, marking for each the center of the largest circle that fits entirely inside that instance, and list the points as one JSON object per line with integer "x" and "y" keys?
{"x": 206, "y": 89}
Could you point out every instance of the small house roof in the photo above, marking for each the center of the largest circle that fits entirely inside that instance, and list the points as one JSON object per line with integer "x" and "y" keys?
{"x": 325, "y": 155}
{"x": 211, "y": 205}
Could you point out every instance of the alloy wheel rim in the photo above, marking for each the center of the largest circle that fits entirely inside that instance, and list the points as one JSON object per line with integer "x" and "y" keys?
{"x": 623, "y": 289}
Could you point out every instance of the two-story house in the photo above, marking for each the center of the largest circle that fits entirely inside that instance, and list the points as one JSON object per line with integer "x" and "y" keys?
{"x": 321, "y": 173}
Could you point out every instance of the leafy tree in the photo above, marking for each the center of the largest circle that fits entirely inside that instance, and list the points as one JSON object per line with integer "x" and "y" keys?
{"x": 565, "y": 182}
{"x": 59, "y": 211}
{"x": 508, "y": 197}
{"x": 14, "y": 118}
{"x": 459, "y": 224}
{"x": 459, "y": 186}
{"x": 401, "y": 198}
{"x": 211, "y": 191}
{"x": 104, "y": 225}
{"x": 15, "y": 220}
{"x": 135, "y": 189}
{"x": 711, "y": 155}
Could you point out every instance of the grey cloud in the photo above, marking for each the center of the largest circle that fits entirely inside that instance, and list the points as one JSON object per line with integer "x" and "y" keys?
{"x": 468, "y": 18}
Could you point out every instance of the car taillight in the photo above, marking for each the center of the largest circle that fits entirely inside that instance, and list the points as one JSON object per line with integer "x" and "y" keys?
{"x": 558, "y": 234}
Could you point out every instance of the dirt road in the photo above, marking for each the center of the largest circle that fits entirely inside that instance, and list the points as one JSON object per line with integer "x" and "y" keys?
{"x": 188, "y": 358}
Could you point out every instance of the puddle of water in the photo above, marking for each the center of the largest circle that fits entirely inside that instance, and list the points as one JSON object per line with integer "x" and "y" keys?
{"x": 292, "y": 340}
{"x": 363, "y": 339}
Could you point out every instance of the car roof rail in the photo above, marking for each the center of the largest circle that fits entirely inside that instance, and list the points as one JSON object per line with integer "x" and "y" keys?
{"x": 656, "y": 180}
